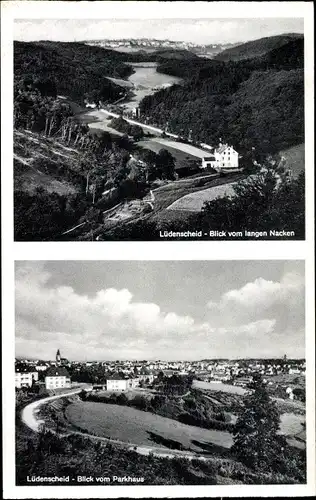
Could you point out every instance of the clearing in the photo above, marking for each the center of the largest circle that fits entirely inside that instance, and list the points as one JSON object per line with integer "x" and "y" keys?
{"x": 194, "y": 202}
{"x": 214, "y": 386}
{"x": 143, "y": 428}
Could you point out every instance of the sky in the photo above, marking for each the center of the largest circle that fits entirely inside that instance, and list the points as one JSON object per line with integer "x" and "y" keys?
{"x": 171, "y": 310}
{"x": 200, "y": 31}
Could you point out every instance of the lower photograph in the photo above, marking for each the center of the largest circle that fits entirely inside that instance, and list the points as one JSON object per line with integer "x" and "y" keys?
{"x": 160, "y": 373}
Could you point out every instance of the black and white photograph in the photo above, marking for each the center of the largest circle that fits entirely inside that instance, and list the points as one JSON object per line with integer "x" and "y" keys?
{"x": 122, "y": 378}
{"x": 159, "y": 128}
{"x": 158, "y": 275}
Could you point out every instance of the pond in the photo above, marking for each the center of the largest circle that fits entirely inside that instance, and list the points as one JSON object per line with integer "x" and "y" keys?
{"x": 146, "y": 81}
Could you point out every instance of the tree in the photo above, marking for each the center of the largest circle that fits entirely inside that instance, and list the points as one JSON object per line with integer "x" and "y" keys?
{"x": 165, "y": 164}
{"x": 256, "y": 439}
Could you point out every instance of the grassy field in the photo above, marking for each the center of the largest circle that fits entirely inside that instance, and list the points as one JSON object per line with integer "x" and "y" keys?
{"x": 194, "y": 202}
{"x": 181, "y": 157}
{"x": 213, "y": 386}
{"x": 295, "y": 158}
{"x": 143, "y": 428}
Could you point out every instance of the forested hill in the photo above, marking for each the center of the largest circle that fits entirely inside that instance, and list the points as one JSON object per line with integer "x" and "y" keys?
{"x": 68, "y": 68}
{"x": 257, "y": 48}
{"x": 257, "y": 102}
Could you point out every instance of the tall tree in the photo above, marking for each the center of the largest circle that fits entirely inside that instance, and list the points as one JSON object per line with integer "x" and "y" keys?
{"x": 256, "y": 439}
{"x": 165, "y": 164}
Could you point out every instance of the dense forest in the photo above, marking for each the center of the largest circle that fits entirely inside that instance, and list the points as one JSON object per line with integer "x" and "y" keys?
{"x": 68, "y": 68}
{"x": 254, "y": 103}
{"x": 257, "y": 47}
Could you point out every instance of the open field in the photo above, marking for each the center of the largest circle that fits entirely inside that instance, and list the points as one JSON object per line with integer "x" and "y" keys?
{"x": 98, "y": 121}
{"x": 143, "y": 428}
{"x": 155, "y": 145}
{"x": 194, "y": 202}
{"x": 295, "y": 159}
{"x": 286, "y": 379}
{"x": 213, "y": 386}
{"x": 168, "y": 194}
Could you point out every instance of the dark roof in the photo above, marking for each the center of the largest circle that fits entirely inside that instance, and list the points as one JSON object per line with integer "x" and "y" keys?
{"x": 116, "y": 376}
{"x": 57, "y": 371}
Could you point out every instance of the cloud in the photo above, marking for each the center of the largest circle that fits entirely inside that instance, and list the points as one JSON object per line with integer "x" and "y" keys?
{"x": 110, "y": 324}
{"x": 108, "y": 320}
{"x": 262, "y": 298}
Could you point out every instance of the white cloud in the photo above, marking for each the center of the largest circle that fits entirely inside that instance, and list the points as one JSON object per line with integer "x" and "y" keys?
{"x": 110, "y": 325}
{"x": 262, "y": 298}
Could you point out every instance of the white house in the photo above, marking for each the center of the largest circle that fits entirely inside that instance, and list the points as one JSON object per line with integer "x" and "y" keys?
{"x": 224, "y": 157}
{"x": 57, "y": 377}
{"x": 25, "y": 379}
{"x": 117, "y": 383}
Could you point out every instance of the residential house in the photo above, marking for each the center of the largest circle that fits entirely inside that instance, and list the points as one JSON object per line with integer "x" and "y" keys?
{"x": 223, "y": 158}
{"x": 57, "y": 377}
{"x": 117, "y": 382}
{"x": 25, "y": 378}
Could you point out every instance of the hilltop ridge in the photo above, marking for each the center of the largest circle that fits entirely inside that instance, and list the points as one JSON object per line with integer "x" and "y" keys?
{"x": 257, "y": 48}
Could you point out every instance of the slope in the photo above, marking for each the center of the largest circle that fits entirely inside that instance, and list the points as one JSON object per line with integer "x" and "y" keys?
{"x": 257, "y": 48}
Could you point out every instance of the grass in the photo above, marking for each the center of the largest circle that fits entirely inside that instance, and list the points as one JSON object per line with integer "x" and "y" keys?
{"x": 168, "y": 194}
{"x": 211, "y": 386}
{"x": 194, "y": 202}
{"x": 180, "y": 157}
{"x": 295, "y": 159}
{"x": 143, "y": 428}
{"x": 30, "y": 150}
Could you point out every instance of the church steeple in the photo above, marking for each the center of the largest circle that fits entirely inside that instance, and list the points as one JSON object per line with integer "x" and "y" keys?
{"x": 58, "y": 357}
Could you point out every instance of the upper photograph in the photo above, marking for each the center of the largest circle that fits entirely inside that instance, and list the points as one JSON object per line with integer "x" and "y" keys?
{"x": 159, "y": 129}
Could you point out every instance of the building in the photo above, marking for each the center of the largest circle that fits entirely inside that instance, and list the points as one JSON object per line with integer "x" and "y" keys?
{"x": 59, "y": 360}
{"x": 57, "y": 377}
{"x": 145, "y": 376}
{"x": 117, "y": 383}
{"x": 25, "y": 379}
{"x": 224, "y": 157}
{"x": 58, "y": 357}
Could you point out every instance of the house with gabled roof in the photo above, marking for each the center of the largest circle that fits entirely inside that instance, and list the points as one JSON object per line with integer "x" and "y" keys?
{"x": 57, "y": 377}
{"x": 226, "y": 157}
{"x": 117, "y": 382}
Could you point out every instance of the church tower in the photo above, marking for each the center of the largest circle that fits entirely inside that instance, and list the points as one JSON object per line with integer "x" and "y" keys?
{"x": 58, "y": 358}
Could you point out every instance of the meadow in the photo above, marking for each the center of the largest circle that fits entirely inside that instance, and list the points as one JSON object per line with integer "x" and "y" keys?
{"x": 143, "y": 428}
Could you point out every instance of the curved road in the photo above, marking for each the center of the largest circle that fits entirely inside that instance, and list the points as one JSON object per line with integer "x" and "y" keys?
{"x": 29, "y": 418}
{"x": 29, "y": 413}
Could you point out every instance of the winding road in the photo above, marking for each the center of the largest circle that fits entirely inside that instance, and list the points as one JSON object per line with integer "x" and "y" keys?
{"x": 30, "y": 419}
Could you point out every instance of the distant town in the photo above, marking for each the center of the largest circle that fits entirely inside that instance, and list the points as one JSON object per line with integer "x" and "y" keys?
{"x": 118, "y": 376}
{"x": 149, "y": 43}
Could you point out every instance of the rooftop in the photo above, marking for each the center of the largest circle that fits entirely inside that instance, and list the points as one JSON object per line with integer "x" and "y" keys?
{"x": 57, "y": 371}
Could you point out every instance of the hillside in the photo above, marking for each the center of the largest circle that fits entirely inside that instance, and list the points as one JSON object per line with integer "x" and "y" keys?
{"x": 257, "y": 48}
{"x": 68, "y": 68}
{"x": 256, "y": 102}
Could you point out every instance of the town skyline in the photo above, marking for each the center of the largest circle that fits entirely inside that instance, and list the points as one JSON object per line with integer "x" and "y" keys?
{"x": 198, "y": 31}
{"x": 138, "y": 311}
